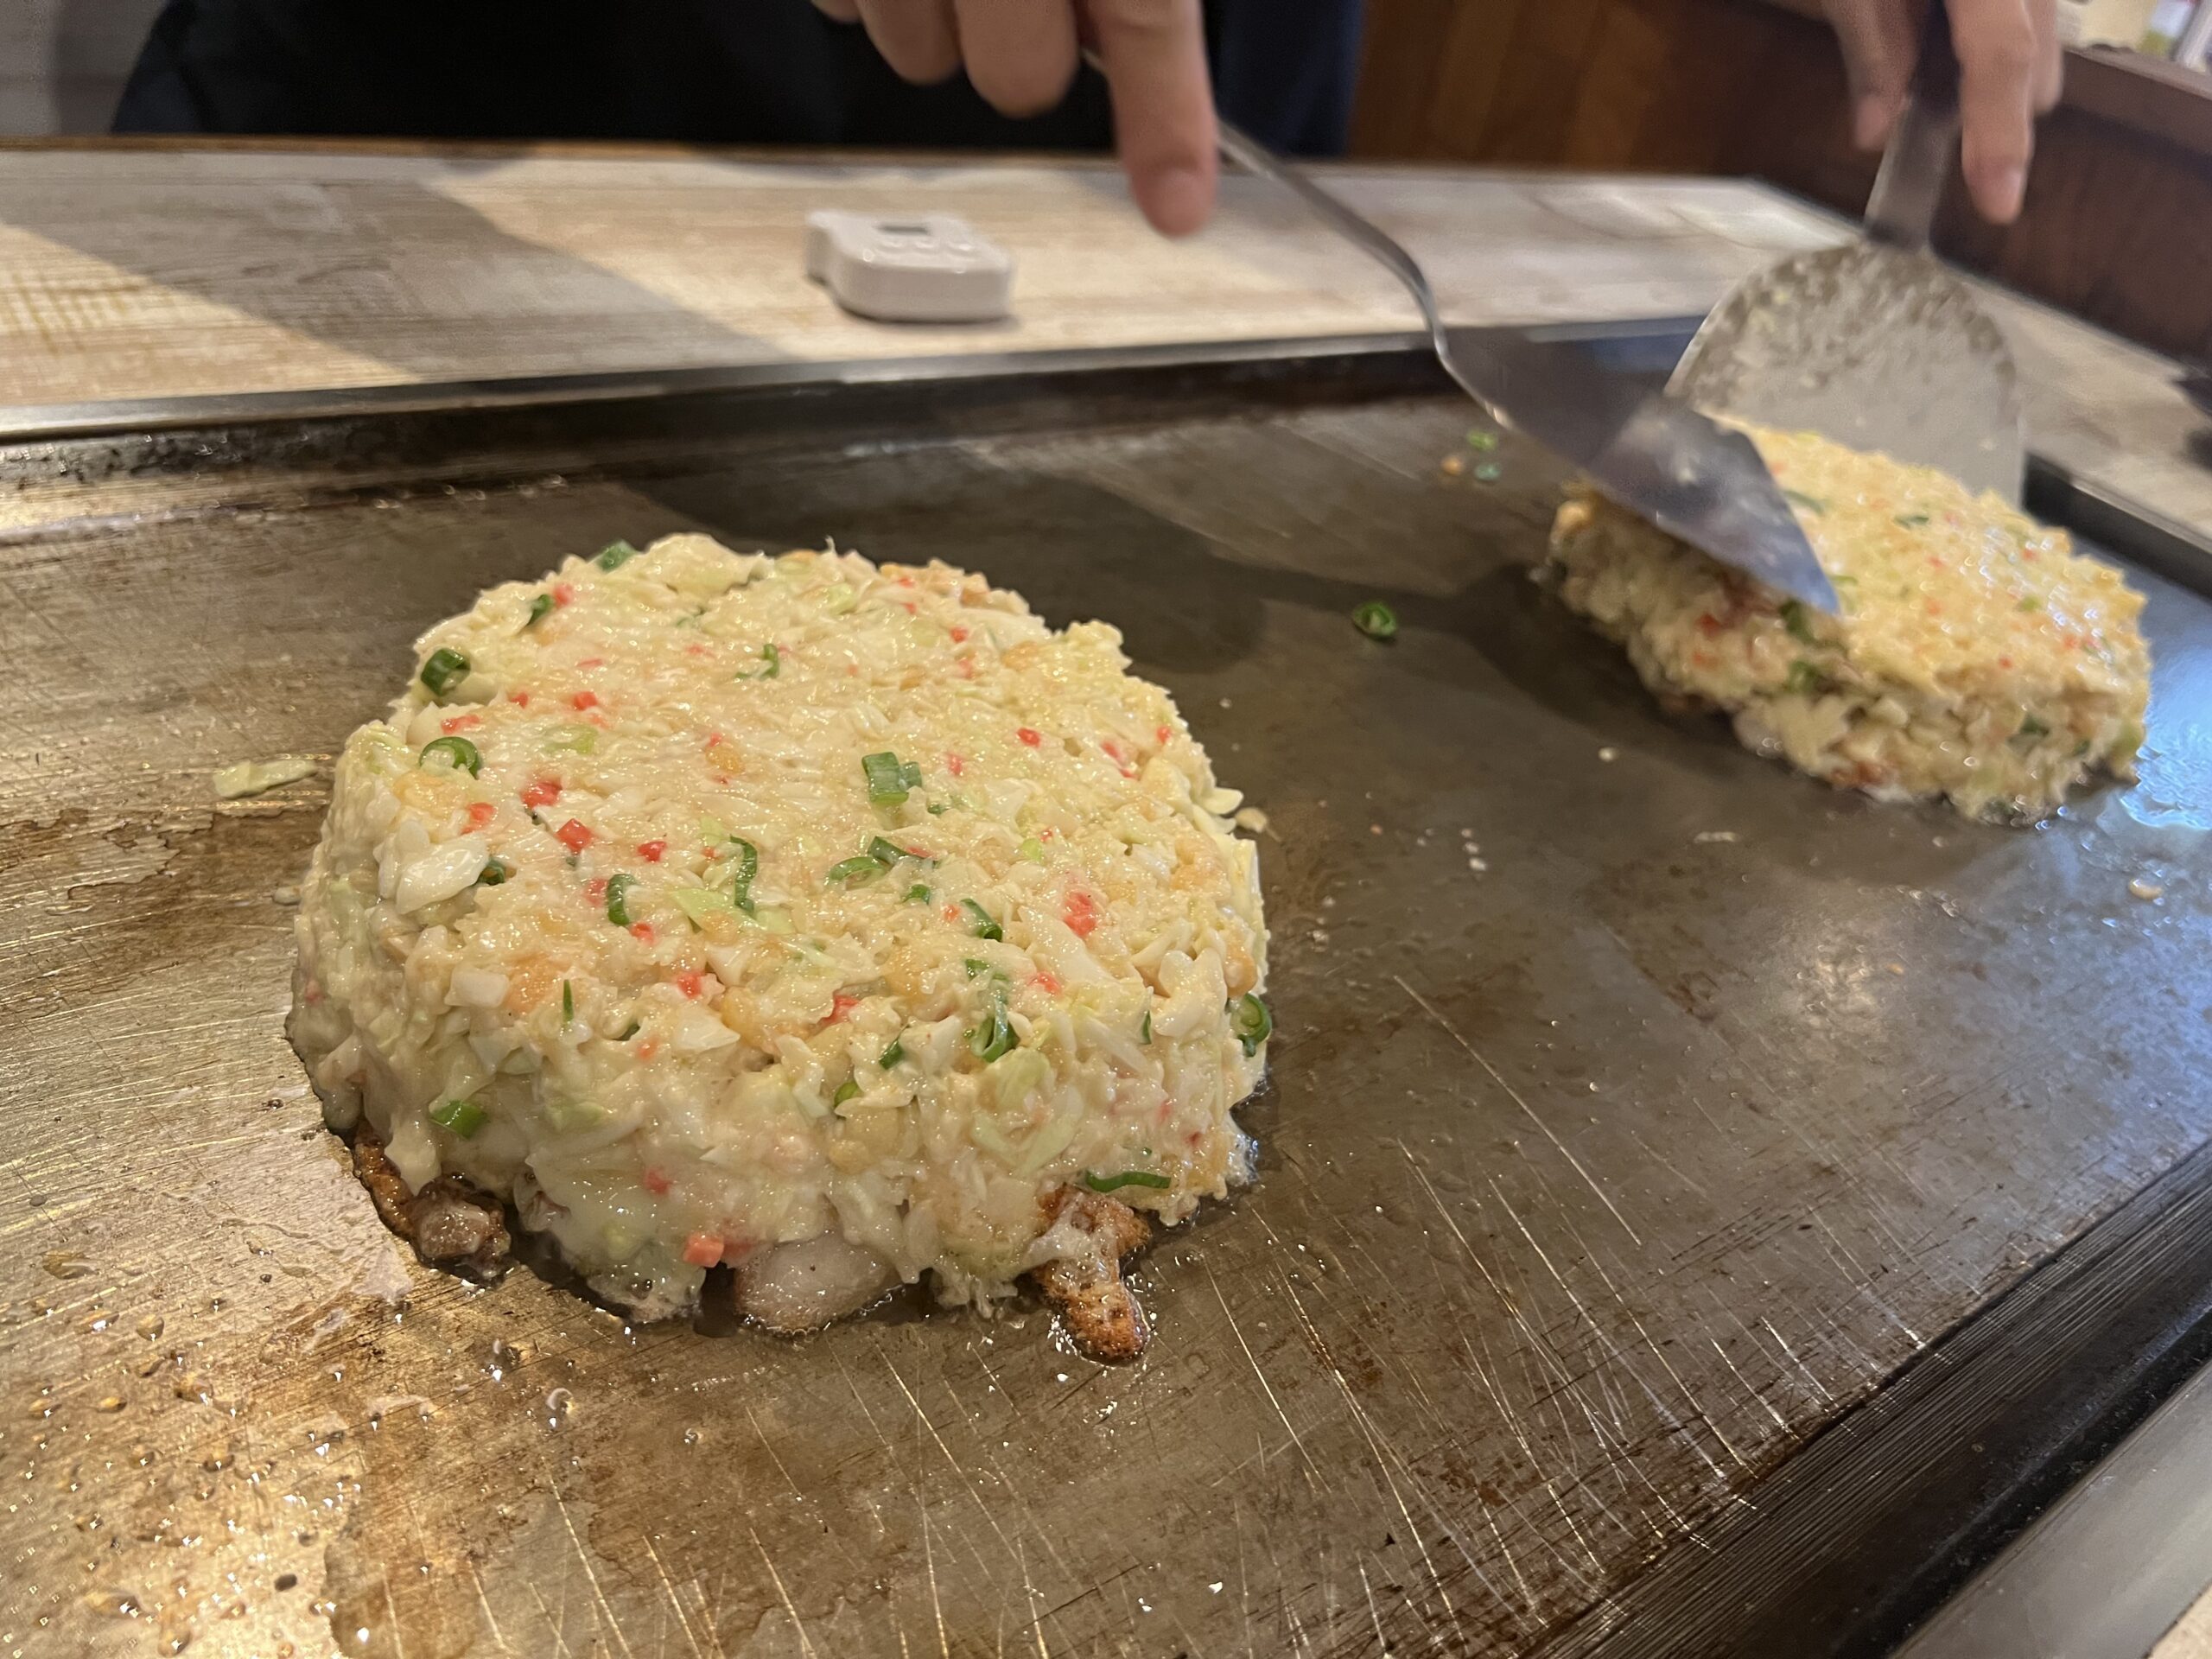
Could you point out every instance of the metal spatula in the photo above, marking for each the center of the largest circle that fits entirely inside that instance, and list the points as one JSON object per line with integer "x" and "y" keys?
{"x": 1656, "y": 455}
{"x": 1875, "y": 345}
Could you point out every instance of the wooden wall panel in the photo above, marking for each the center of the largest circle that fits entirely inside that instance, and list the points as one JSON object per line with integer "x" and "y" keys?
{"x": 1791, "y": 119}
{"x": 1642, "y": 93}
{"x": 1400, "y": 68}
{"x": 2117, "y": 229}
{"x": 1468, "y": 76}
{"x": 1546, "y": 59}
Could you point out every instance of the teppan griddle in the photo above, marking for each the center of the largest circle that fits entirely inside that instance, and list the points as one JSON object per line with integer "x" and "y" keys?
{"x": 1699, "y": 1210}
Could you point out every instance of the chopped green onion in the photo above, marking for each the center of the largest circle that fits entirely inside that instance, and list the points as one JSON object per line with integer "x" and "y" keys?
{"x": 614, "y": 556}
{"x": 1144, "y": 1031}
{"x": 1126, "y": 1178}
{"x": 773, "y": 657}
{"x": 846, "y": 1090}
{"x": 1032, "y": 850}
{"x": 459, "y": 750}
{"x": 977, "y": 967}
{"x": 540, "y": 608}
{"x": 568, "y": 1004}
{"x": 1375, "y": 620}
{"x": 618, "y": 899}
{"x": 444, "y": 669}
{"x": 1805, "y": 679}
{"x": 1799, "y": 499}
{"x": 1912, "y": 520}
{"x": 893, "y": 1055}
{"x": 749, "y": 866}
{"x": 1796, "y": 618}
{"x": 938, "y": 809}
{"x": 1489, "y": 473}
{"x": 2032, "y": 727}
{"x": 495, "y": 871}
{"x": 634, "y": 1029}
{"x": 879, "y": 856}
{"x": 919, "y": 894}
{"x": 996, "y": 1037}
{"x": 576, "y": 739}
{"x": 1251, "y": 1023}
{"x": 1478, "y": 439}
{"x": 984, "y": 927}
{"x": 889, "y": 778}
{"x": 463, "y": 1117}
{"x": 2031, "y": 603}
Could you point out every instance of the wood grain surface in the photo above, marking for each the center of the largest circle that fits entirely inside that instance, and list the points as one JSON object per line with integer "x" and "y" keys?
{"x": 136, "y": 271}
{"x": 132, "y": 273}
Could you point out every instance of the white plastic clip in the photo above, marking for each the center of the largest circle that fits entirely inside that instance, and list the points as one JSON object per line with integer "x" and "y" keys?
{"x": 931, "y": 268}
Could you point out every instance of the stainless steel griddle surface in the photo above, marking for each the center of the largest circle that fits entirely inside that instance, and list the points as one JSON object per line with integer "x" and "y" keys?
{"x": 1594, "y": 1181}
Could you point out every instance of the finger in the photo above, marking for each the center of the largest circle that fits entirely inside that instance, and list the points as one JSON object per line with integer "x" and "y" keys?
{"x": 1877, "y": 38}
{"x": 845, "y": 12}
{"x": 1155, "y": 54}
{"x": 917, "y": 37}
{"x": 2051, "y": 55}
{"x": 1020, "y": 54}
{"x": 1997, "y": 63}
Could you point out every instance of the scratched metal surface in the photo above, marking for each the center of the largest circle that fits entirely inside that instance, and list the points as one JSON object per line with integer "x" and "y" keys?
{"x": 1593, "y": 1182}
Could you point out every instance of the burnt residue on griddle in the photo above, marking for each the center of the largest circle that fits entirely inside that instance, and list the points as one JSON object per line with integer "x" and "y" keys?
{"x": 451, "y": 1224}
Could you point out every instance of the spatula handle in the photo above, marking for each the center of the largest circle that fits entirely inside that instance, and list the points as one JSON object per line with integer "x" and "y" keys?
{"x": 1910, "y": 186}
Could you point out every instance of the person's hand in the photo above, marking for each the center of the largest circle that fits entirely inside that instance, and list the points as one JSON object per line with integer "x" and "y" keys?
{"x": 2009, "y": 63}
{"x": 1021, "y": 55}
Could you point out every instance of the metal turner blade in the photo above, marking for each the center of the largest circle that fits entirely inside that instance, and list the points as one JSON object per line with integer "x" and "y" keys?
{"x": 1875, "y": 344}
{"x": 1656, "y": 455}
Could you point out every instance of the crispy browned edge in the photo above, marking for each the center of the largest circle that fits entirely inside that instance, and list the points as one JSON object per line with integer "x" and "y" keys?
{"x": 1097, "y": 1307}
{"x": 450, "y": 1224}
{"x": 456, "y": 1226}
